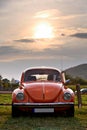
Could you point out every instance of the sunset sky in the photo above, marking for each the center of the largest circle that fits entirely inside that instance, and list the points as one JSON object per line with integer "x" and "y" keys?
{"x": 42, "y": 33}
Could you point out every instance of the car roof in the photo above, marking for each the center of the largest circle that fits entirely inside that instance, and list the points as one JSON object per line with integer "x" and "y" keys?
{"x": 42, "y": 67}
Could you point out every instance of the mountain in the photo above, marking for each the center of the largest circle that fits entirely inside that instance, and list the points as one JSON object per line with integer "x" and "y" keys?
{"x": 78, "y": 71}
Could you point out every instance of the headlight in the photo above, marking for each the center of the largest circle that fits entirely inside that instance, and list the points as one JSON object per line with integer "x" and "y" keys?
{"x": 67, "y": 96}
{"x": 20, "y": 96}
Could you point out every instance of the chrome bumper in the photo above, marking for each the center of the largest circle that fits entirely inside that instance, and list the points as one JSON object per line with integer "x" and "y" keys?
{"x": 43, "y": 105}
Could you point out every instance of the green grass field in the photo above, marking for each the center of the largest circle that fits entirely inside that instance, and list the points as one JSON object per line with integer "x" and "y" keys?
{"x": 78, "y": 122}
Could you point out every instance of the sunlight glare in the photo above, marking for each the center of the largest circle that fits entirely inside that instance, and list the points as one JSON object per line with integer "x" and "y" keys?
{"x": 43, "y": 30}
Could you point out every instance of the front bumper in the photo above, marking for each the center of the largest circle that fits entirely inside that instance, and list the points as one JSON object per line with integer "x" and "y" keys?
{"x": 44, "y": 107}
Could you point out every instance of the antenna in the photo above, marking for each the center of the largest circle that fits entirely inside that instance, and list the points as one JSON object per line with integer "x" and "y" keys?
{"x": 61, "y": 62}
{"x": 61, "y": 58}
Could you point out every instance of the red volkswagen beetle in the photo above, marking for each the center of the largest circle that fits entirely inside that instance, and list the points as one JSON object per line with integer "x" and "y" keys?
{"x": 42, "y": 90}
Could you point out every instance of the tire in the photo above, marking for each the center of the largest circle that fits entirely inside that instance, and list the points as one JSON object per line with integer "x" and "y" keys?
{"x": 70, "y": 112}
{"x": 15, "y": 111}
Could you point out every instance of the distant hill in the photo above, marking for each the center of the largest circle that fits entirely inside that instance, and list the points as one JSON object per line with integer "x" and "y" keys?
{"x": 78, "y": 71}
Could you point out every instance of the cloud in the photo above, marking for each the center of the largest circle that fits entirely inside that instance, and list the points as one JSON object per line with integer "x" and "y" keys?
{"x": 25, "y": 40}
{"x": 12, "y": 53}
{"x": 8, "y": 51}
{"x": 80, "y": 35}
{"x": 34, "y": 44}
{"x": 47, "y": 13}
{"x": 26, "y": 49}
{"x": 22, "y": 51}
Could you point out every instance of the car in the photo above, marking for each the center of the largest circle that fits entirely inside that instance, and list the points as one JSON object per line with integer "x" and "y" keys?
{"x": 42, "y": 90}
{"x": 82, "y": 91}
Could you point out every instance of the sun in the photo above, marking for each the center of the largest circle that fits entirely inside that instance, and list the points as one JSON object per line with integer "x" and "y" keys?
{"x": 43, "y": 30}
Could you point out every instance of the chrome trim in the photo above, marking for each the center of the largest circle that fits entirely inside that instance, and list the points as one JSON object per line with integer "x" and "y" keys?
{"x": 68, "y": 104}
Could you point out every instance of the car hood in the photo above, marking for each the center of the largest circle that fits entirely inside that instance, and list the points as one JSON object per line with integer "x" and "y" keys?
{"x": 43, "y": 91}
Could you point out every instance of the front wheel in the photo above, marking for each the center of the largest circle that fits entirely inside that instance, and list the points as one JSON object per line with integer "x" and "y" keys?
{"x": 70, "y": 112}
{"x": 15, "y": 111}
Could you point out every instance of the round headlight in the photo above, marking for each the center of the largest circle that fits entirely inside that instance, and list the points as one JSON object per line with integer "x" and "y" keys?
{"x": 67, "y": 96}
{"x": 20, "y": 96}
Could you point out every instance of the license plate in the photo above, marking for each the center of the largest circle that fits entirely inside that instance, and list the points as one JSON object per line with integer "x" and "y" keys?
{"x": 44, "y": 110}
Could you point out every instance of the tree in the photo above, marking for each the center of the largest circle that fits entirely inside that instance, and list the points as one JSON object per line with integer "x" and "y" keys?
{"x": 14, "y": 84}
{"x": 6, "y": 83}
{"x": 1, "y": 82}
{"x": 76, "y": 80}
{"x": 0, "y": 77}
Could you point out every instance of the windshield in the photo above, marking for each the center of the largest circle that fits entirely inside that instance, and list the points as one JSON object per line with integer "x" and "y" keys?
{"x": 42, "y": 74}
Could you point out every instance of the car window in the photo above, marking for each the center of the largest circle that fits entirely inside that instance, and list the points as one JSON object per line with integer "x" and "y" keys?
{"x": 44, "y": 74}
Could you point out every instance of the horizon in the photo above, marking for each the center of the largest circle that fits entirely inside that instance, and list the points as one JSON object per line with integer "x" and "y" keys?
{"x": 19, "y": 75}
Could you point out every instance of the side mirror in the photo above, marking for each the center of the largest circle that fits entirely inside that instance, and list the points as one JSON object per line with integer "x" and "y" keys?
{"x": 67, "y": 81}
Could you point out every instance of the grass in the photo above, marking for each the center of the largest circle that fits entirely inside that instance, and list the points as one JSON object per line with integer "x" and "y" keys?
{"x": 5, "y": 98}
{"x": 78, "y": 122}
{"x": 73, "y": 87}
{"x": 83, "y": 98}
